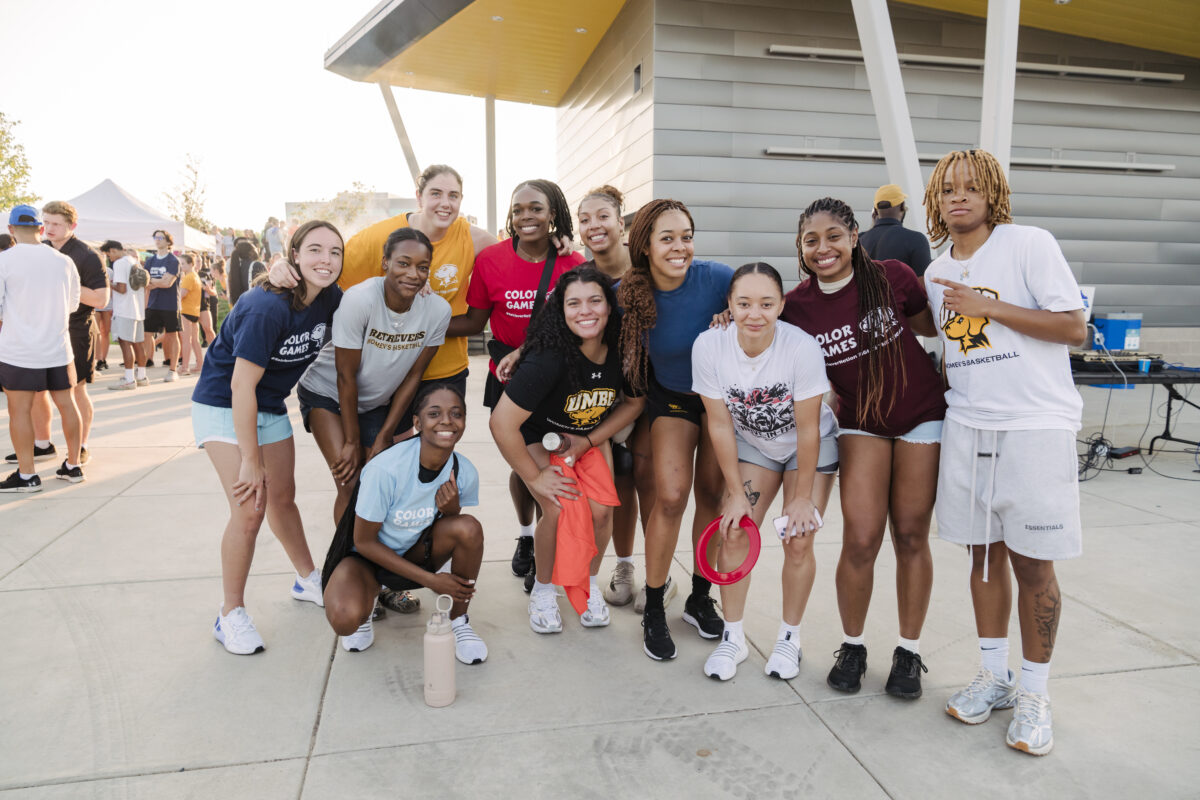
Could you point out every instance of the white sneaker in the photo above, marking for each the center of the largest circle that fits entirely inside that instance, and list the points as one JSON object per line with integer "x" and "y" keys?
{"x": 310, "y": 590}
{"x": 172, "y": 376}
{"x": 361, "y": 639}
{"x": 1031, "y": 729}
{"x": 468, "y": 647}
{"x": 596, "y": 614}
{"x": 722, "y": 664}
{"x": 784, "y": 662}
{"x": 986, "y": 691}
{"x": 236, "y": 631}
{"x": 619, "y": 590}
{"x": 123, "y": 385}
{"x": 669, "y": 591}
{"x": 543, "y": 612}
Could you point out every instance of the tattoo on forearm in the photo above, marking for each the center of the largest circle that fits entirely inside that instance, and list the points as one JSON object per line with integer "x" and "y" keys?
{"x": 751, "y": 495}
{"x": 1047, "y": 606}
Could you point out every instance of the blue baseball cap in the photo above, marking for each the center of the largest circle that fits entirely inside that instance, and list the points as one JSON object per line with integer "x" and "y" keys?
{"x": 25, "y": 216}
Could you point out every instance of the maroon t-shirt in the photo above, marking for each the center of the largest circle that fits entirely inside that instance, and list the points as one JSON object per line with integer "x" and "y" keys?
{"x": 833, "y": 320}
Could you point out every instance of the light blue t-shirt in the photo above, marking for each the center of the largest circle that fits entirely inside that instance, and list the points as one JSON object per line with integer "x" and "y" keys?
{"x": 390, "y": 492}
{"x": 683, "y": 314}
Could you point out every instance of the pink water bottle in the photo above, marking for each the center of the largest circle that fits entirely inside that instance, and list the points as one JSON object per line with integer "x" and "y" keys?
{"x": 439, "y": 655}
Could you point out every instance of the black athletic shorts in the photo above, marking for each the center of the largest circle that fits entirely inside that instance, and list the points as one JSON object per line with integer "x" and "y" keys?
{"x": 664, "y": 402}
{"x": 160, "y": 320}
{"x": 422, "y": 548}
{"x": 83, "y": 345}
{"x": 192, "y": 318}
{"x": 26, "y": 379}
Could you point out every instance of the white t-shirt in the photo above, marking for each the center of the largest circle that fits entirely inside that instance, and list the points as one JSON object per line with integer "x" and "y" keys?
{"x": 761, "y": 392}
{"x": 131, "y": 304}
{"x": 390, "y": 342}
{"x": 1001, "y": 379}
{"x": 39, "y": 288}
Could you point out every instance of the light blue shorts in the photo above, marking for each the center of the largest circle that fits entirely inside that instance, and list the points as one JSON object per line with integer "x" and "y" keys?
{"x": 827, "y": 456}
{"x": 926, "y": 433}
{"x": 213, "y": 424}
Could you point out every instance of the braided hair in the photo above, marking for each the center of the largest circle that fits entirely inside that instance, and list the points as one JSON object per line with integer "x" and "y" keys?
{"x": 882, "y": 355}
{"x": 560, "y": 212}
{"x": 989, "y": 179}
{"x": 548, "y": 330}
{"x": 636, "y": 291}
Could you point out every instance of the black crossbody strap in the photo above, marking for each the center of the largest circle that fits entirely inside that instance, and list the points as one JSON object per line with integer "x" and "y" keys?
{"x": 544, "y": 286}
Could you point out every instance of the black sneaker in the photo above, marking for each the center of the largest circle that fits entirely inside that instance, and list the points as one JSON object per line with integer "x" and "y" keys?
{"x": 700, "y": 611}
{"x": 72, "y": 474}
{"x": 530, "y": 576}
{"x": 523, "y": 557}
{"x": 149, "y": 362}
{"x": 39, "y": 454}
{"x": 656, "y": 636}
{"x": 15, "y": 483}
{"x": 905, "y": 680}
{"x": 851, "y": 665}
{"x": 402, "y": 602}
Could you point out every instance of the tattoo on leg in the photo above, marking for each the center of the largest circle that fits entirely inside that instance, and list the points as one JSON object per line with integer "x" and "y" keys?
{"x": 751, "y": 495}
{"x": 1047, "y": 605}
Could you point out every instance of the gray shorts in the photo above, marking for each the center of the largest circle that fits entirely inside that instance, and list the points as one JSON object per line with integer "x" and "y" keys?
{"x": 827, "y": 456}
{"x": 128, "y": 330}
{"x": 1017, "y": 487}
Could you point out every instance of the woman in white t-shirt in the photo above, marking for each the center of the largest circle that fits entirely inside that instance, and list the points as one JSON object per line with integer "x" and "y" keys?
{"x": 761, "y": 381}
{"x": 385, "y": 333}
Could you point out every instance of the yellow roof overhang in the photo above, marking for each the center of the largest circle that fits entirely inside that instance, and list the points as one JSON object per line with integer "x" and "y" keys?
{"x": 1169, "y": 26}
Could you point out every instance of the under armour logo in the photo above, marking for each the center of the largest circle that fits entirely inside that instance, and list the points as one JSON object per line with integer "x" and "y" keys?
{"x": 595, "y": 376}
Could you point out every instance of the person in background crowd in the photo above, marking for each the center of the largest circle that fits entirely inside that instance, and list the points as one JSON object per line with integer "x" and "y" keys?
{"x": 6, "y": 242}
{"x": 104, "y": 324}
{"x": 273, "y": 238}
{"x": 191, "y": 301}
{"x": 888, "y": 238}
{"x": 128, "y": 317}
{"x": 162, "y": 304}
{"x": 39, "y": 289}
{"x": 244, "y": 267}
{"x": 209, "y": 304}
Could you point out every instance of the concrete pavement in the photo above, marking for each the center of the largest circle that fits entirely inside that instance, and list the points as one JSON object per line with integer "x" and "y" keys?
{"x": 111, "y": 684}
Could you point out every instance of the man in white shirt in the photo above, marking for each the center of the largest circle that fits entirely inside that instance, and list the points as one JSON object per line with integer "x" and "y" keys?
{"x": 128, "y": 317}
{"x": 39, "y": 288}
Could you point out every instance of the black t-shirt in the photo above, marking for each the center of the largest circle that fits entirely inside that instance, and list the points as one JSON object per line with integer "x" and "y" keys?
{"x": 91, "y": 276}
{"x": 543, "y": 386}
{"x": 890, "y": 239}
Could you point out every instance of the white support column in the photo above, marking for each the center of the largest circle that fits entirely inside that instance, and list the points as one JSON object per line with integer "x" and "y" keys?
{"x": 999, "y": 79}
{"x": 389, "y": 100}
{"x": 489, "y": 113}
{"x": 891, "y": 105}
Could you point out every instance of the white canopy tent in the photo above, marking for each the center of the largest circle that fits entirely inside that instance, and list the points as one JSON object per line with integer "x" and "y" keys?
{"x": 106, "y": 211}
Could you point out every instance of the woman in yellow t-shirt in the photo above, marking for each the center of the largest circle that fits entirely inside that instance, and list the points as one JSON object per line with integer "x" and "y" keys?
{"x": 191, "y": 296}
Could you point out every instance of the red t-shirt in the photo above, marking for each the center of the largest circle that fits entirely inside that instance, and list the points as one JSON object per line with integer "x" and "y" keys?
{"x": 506, "y": 284}
{"x": 833, "y": 320}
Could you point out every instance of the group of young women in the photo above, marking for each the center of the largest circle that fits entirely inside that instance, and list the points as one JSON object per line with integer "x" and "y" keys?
{"x": 663, "y": 375}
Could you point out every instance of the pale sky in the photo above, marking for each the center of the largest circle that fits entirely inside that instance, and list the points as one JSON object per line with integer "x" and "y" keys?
{"x": 126, "y": 89}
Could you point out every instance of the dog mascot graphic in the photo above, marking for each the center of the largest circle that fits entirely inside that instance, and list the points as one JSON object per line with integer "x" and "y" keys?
{"x": 969, "y": 332}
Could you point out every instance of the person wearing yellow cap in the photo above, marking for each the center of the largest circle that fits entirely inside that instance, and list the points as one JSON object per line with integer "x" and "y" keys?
{"x": 888, "y": 238}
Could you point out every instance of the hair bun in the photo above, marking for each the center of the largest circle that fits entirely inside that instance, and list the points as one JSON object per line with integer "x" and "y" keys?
{"x": 609, "y": 191}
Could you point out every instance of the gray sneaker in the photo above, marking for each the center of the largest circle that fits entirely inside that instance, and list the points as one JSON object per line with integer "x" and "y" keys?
{"x": 985, "y": 692}
{"x": 669, "y": 590}
{"x": 1030, "y": 729}
{"x": 619, "y": 590}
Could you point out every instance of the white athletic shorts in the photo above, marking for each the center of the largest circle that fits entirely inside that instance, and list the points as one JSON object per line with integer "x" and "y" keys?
{"x": 127, "y": 329}
{"x": 1017, "y": 487}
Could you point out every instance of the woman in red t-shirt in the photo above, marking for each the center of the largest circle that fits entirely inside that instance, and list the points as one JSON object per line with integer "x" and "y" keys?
{"x": 504, "y": 286}
{"x": 864, "y": 314}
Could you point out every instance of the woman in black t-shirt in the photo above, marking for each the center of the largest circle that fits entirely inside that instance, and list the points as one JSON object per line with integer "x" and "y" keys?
{"x": 568, "y": 381}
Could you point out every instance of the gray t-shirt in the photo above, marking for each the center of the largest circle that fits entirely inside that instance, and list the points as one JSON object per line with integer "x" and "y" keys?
{"x": 390, "y": 342}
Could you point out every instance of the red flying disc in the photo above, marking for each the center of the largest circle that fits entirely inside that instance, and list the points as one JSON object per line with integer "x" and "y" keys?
{"x": 726, "y": 578}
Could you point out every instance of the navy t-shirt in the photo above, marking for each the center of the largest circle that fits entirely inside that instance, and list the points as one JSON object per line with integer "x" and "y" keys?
{"x": 262, "y": 328}
{"x": 683, "y": 314}
{"x": 163, "y": 299}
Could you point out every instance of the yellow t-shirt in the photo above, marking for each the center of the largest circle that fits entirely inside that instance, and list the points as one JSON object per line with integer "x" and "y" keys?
{"x": 449, "y": 272}
{"x": 191, "y": 304}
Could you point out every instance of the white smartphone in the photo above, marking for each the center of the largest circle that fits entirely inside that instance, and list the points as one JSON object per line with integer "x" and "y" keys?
{"x": 781, "y": 524}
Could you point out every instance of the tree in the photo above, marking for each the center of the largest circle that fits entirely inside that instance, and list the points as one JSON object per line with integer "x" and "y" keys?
{"x": 186, "y": 201}
{"x": 14, "y": 169}
{"x": 350, "y": 210}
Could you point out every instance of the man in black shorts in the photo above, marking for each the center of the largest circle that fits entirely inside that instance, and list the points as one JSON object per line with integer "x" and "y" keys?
{"x": 162, "y": 305}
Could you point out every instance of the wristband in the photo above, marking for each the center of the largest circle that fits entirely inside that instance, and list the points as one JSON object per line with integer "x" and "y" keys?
{"x": 589, "y": 439}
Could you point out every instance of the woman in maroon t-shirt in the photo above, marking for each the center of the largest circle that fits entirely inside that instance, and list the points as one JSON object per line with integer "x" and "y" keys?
{"x": 864, "y": 315}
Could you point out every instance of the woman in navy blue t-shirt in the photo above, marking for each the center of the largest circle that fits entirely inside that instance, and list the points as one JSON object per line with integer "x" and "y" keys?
{"x": 239, "y": 419}
{"x": 669, "y": 300}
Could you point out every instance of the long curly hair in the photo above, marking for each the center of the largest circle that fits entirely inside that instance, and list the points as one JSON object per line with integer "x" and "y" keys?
{"x": 636, "y": 291}
{"x": 560, "y": 212}
{"x": 989, "y": 179}
{"x": 883, "y": 356}
{"x": 548, "y": 331}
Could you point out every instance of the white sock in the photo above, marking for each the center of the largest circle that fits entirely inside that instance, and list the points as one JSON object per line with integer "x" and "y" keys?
{"x": 42, "y": 443}
{"x": 993, "y": 655}
{"x": 141, "y": 373}
{"x": 785, "y": 629}
{"x": 26, "y": 477}
{"x": 315, "y": 575}
{"x": 855, "y": 640}
{"x": 1034, "y": 676}
{"x": 129, "y": 376}
{"x": 734, "y": 629}
{"x": 446, "y": 567}
{"x": 624, "y": 559}
{"x": 71, "y": 466}
{"x": 538, "y": 586}
{"x": 911, "y": 645}
{"x": 594, "y": 582}
{"x": 527, "y": 530}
